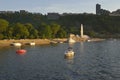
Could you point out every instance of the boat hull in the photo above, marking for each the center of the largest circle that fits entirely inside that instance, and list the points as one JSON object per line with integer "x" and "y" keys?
{"x": 31, "y": 43}
{"x": 16, "y": 44}
{"x": 21, "y": 51}
{"x": 69, "y": 54}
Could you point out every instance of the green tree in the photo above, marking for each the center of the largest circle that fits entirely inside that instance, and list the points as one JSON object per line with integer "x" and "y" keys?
{"x": 61, "y": 33}
{"x": 44, "y": 31}
{"x": 1, "y": 36}
{"x": 20, "y": 31}
{"x": 9, "y": 32}
{"x": 3, "y": 28}
{"x": 33, "y": 33}
{"x": 55, "y": 28}
{"x": 47, "y": 32}
{"x": 3, "y": 25}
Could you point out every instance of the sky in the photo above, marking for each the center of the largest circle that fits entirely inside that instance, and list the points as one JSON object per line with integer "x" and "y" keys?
{"x": 58, "y": 6}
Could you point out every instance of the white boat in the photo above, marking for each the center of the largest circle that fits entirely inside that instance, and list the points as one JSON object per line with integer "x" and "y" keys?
{"x": 70, "y": 40}
{"x": 16, "y": 44}
{"x": 53, "y": 42}
{"x": 69, "y": 52}
{"x": 32, "y": 43}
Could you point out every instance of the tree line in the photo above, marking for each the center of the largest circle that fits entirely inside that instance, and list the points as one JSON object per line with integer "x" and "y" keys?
{"x": 28, "y": 31}
{"x": 35, "y": 25}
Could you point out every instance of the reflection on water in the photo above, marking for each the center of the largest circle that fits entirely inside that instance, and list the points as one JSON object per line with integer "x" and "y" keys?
{"x": 69, "y": 57}
{"x": 71, "y": 44}
{"x": 92, "y": 61}
{"x": 69, "y": 65}
{"x": 82, "y": 47}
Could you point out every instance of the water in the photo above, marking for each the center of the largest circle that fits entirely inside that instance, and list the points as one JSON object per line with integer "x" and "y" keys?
{"x": 92, "y": 61}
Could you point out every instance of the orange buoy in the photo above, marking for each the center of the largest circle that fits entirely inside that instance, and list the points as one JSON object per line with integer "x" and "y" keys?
{"x": 21, "y": 51}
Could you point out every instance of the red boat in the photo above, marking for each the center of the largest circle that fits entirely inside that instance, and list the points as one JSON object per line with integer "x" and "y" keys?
{"x": 21, "y": 51}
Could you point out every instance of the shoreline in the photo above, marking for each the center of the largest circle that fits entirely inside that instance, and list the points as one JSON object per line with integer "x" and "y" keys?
{"x": 5, "y": 43}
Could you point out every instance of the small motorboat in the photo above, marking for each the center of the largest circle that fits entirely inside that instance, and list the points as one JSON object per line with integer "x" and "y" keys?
{"x": 69, "y": 52}
{"x": 16, "y": 44}
{"x": 31, "y": 43}
{"x": 21, "y": 51}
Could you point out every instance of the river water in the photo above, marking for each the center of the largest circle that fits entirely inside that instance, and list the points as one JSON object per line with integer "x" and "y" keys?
{"x": 92, "y": 61}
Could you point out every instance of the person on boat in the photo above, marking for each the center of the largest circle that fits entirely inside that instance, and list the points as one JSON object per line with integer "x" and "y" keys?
{"x": 70, "y": 49}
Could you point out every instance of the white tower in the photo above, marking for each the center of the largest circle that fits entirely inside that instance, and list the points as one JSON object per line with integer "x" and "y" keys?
{"x": 81, "y": 31}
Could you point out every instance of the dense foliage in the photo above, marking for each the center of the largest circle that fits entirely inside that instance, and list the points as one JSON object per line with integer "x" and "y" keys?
{"x": 34, "y": 25}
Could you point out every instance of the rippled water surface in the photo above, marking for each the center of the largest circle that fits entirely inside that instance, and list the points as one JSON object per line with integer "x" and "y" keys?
{"x": 92, "y": 61}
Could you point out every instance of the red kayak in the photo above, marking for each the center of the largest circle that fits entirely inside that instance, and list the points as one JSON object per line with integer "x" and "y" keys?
{"x": 21, "y": 51}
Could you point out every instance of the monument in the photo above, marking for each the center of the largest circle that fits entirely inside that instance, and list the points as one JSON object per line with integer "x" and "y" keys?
{"x": 81, "y": 31}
